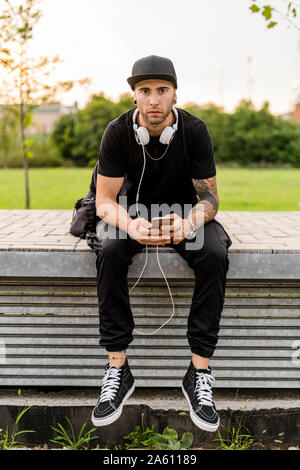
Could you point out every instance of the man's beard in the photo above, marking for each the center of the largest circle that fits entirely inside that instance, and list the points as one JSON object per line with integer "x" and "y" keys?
{"x": 156, "y": 122}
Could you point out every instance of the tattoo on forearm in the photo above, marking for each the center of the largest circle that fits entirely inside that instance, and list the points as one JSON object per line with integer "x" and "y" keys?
{"x": 200, "y": 185}
{"x": 208, "y": 198}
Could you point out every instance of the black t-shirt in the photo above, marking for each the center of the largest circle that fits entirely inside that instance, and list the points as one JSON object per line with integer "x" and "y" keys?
{"x": 168, "y": 180}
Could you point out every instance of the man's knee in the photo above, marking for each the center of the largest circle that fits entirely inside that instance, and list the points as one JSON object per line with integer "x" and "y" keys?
{"x": 211, "y": 254}
{"x": 218, "y": 252}
{"x": 114, "y": 250}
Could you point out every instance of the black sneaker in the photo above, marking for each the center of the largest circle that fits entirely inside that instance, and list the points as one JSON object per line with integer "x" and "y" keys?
{"x": 117, "y": 386}
{"x": 197, "y": 389}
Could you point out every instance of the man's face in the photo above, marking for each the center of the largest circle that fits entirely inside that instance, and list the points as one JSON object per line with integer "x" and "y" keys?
{"x": 155, "y": 99}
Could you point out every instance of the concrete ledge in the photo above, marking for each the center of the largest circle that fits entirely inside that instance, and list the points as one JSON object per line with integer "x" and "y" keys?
{"x": 58, "y": 264}
{"x": 37, "y": 243}
{"x": 155, "y": 398}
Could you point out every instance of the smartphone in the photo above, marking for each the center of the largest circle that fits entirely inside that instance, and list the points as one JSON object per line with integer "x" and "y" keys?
{"x": 157, "y": 222}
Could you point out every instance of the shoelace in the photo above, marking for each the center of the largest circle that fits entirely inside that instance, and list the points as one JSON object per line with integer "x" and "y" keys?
{"x": 203, "y": 388}
{"x": 110, "y": 384}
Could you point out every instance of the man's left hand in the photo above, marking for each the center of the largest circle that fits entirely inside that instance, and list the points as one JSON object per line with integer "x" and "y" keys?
{"x": 178, "y": 229}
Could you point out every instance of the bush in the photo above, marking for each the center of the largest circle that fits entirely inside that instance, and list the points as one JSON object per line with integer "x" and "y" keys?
{"x": 251, "y": 137}
{"x": 40, "y": 151}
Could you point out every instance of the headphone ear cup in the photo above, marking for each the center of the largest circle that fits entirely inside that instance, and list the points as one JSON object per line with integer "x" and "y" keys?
{"x": 167, "y": 135}
{"x": 143, "y": 135}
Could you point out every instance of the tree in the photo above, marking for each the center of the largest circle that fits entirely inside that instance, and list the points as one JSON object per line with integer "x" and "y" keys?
{"x": 27, "y": 79}
{"x": 78, "y": 135}
{"x": 270, "y": 13}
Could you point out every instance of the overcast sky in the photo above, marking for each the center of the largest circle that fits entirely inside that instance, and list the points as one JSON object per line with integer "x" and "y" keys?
{"x": 209, "y": 41}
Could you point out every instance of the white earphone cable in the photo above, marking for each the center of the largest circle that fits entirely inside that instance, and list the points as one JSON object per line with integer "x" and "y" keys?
{"x": 173, "y": 311}
{"x": 146, "y": 260}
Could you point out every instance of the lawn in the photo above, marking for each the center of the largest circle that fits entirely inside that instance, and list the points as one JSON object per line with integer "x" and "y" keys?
{"x": 238, "y": 188}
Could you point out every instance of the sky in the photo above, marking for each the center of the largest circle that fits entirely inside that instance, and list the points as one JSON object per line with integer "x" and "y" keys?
{"x": 221, "y": 51}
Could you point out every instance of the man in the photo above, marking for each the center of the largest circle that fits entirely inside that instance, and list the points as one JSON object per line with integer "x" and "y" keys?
{"x": 181, "y": 171}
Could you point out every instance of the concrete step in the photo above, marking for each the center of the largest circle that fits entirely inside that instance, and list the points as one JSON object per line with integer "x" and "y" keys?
{"x": 156, "y": 398}
{"x": 271, "y": 417}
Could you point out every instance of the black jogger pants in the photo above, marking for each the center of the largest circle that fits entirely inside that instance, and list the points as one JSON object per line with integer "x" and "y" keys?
{"x": 210, "y": 265}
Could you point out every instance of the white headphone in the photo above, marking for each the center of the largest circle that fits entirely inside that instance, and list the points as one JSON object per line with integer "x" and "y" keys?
{"x": 142, "y": 135}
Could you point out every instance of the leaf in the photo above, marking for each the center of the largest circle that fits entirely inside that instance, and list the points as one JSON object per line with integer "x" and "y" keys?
{"x": 170, "y": 433}
{"x": 254, "y": 8}
{"x": 147, "y": 442}
{"x": 267, "y": 12}
{"x": 159, "y": 438}
{"x": 58, "y": 438}
{"x": 187, "y": 440}
{"x": 63, "y": 433}
{"x": 22, "y": 432}
{"x": 21, "y": 414}
{"x": 54, "y": 428}
{"x": 81, "y": 431}
{"x": 174, "y": 444}
{"x": 71, "y": 427}
{"x": 272, "y": 24}
{"x": 159, "y": 442}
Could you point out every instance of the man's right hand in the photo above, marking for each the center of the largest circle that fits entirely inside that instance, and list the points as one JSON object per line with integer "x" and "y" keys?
{"x": 141, "y": 230}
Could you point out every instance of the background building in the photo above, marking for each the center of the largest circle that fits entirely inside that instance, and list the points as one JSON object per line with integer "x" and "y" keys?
{"x": 45, "y": 116}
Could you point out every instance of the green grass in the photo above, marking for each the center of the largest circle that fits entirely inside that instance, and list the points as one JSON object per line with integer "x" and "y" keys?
{"x": 239, "y": 188}
{"x": 50, "y": 188}
{"x": 259, "y": 189}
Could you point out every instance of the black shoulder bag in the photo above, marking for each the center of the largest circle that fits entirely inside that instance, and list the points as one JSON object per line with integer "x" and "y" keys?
{"x": 84, "y": 217}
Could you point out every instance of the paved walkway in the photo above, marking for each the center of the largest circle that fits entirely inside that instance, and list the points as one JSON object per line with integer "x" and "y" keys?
{"x": 48, "y": 230}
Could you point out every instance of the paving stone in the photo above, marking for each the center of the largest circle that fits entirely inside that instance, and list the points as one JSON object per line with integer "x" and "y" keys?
{"x": 246, "y": 238}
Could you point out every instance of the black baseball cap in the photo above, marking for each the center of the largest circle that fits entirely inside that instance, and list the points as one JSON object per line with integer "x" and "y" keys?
{"x": 152, "y": 66}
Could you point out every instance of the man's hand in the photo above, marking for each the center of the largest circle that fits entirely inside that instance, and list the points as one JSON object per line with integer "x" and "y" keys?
{"x": 178, "y": 229}
{"x": 141, "y": 230}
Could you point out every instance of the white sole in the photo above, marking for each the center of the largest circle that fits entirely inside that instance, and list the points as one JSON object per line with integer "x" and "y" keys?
{"x": 112, "y": 418}
{"x": 196, "y": 420}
